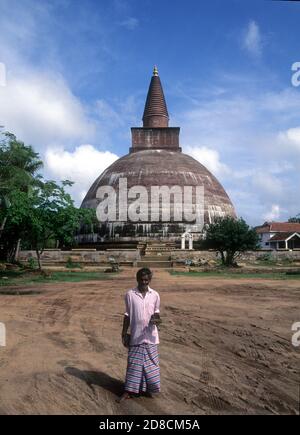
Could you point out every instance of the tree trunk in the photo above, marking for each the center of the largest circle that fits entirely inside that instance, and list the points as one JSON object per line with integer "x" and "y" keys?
{"x": 223, "y": 258}
{"x": 38, "y": 254}
{"x": 12, "y": 252}
{"x": 3, "y": 225}
{"x": 229, "y": 259}
{"x": 16, "y": 253}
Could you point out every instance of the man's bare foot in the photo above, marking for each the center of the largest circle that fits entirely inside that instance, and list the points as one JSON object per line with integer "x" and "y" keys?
{"x": 124, "y": 396}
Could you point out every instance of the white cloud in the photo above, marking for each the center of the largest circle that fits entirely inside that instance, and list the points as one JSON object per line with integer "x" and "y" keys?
{"x": 273, "y": 214}
{"x": 39, "y": 106}
{"x": 209, "y": 158}
{"x": 290, "y": 137}
{"x": 130, "y": 23}
{"x": 251, "y": 142}
{"x": 83, "y": 166}
{"x": 237, "y": 125}
{"x": 284, "y": 103}
{"x": 41, "y": 109}
{"x": 218, "y": 123}
{"x": 252, "y": 41}
{"x": 107, "y": 114}
{"x": 267, "y": 184}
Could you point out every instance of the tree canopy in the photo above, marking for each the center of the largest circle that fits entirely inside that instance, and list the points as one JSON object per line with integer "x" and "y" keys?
{"x": 230, "y": 237}
{"x": 296, "y": 219}
{"x": 34, "y": 211}
{"x": 19, "y": 164}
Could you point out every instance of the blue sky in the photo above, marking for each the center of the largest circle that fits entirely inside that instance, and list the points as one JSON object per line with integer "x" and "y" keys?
{"x": 77, "y": 74}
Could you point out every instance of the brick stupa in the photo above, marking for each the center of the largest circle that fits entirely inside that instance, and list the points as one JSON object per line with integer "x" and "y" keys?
{"x": 155, "y": 159}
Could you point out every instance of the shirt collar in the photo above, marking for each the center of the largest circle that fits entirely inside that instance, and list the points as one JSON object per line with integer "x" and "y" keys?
{"x": 136, "y": 290}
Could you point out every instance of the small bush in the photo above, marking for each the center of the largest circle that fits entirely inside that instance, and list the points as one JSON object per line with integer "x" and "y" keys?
{"x": 266, "y": 258}
{"x": 71, "y": 265}
{"x": 32, "y": 263}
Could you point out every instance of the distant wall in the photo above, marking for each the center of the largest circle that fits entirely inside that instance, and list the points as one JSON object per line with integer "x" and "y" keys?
{"x": 93, "y": 257}
{"x": 245, "y": 256}
{"x": 87, "y": 256}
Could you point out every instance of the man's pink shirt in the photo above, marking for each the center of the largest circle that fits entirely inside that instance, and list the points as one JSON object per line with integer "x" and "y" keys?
{"x": 140, "y": 310}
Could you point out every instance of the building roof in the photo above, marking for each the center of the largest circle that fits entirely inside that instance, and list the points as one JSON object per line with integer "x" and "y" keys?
{"x": 282, "y": 237}
{"x": 278, "y": 227}
{"x": 156, "y": 112}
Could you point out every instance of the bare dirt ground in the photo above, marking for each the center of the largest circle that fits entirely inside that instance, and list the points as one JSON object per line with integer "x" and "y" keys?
{"x": 225, "y": 348}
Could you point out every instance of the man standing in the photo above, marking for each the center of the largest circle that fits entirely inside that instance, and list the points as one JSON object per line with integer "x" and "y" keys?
{"x": 142, "y": 315}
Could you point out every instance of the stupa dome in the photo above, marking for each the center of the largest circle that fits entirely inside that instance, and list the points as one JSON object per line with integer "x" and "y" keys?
{"x": 155, "y": 160}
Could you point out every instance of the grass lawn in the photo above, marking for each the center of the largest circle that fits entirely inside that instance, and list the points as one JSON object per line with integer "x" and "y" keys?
{"x": 238, "y": 275}
{"x": 25, "y": 278}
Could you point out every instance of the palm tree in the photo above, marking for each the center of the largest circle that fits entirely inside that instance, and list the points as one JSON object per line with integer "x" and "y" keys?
{"x": 18, "y": 166}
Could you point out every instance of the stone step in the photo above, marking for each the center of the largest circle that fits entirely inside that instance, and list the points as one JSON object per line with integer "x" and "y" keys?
{"x": 158, "y": 249}
{"x": 155, "y": 264}
{"x": 154, "y": 243}
{"x": 156, "y": 258}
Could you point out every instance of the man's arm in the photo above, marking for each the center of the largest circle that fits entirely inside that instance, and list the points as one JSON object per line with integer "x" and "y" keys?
{"x": 155, "y": 318}
{"x": 126, "y": 323}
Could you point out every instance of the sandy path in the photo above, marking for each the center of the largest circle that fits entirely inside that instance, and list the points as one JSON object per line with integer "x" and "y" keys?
{"x": 225, "y": 348}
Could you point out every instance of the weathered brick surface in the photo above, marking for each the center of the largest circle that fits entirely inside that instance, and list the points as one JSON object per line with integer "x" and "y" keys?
{"x": 82, "y": 256}
{"x": 133, "y": 255}
{"x": 160, "y": 138}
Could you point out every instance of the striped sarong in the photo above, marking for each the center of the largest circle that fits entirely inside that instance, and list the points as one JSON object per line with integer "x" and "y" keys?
{"x": 143, "y": 372}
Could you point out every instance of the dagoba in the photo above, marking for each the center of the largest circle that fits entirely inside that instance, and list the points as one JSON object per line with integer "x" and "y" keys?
{"x": 155, "y": 159}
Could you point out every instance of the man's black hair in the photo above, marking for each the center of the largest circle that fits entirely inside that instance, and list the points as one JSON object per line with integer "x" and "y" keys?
{"x": 142, "y": 272}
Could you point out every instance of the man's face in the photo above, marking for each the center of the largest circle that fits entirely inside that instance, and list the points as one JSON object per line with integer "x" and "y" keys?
{"x": 143, "y": 282}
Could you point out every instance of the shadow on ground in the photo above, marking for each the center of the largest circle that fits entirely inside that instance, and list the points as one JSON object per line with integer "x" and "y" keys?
{"x": 101, "y": 379}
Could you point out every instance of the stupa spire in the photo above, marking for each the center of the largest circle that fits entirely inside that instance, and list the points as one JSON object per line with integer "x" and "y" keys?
{"x": 156, "y": 112}
{"x": 155, "y": 133}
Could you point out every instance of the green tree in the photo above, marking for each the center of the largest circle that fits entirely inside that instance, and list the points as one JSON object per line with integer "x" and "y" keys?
{"x": 46, "y": 214}
{"x": 230, "y": 237}
{"x": 18, "y": 171}
{"x": 33, "y": 210}
{"x": 16, "y": 223}
{"x": 295, "y": 220}
{"x": 53, "y": 216}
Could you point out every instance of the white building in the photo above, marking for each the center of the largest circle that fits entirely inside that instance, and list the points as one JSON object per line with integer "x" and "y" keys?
{"x": 279, "y": 235}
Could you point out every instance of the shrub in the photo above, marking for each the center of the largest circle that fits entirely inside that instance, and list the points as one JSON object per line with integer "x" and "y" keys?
{"x": 32, "y": 264}
{"x": 71, "y": 265}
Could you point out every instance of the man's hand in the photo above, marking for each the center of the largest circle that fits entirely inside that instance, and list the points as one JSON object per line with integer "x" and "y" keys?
{"x": 155, "y": 319}
{"x": 125, "y": 339}
{"x": 125, "y": 336}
